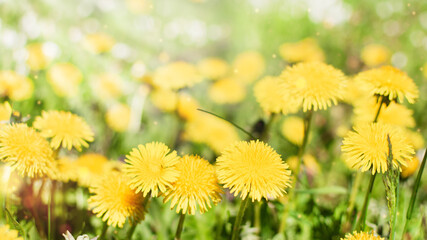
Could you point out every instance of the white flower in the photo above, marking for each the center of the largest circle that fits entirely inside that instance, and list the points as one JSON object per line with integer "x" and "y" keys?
{"x": 68, "y": 236}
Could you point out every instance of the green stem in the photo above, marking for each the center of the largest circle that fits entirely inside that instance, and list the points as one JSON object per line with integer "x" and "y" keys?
{"x": 379, "y": 110}
{"x": 394, "y": 216}
{"x": 131, "y": 231}
{"x": 104, "y": 231}
{"x": 353, "y": 195}
{"x": 414, "y": 193}
{"x": 360, "y": 225}
{"x": 264, "y": 135}
{"x": 180, "y": 227}
{"x": 257, "y": 216}
{"x": 239, "y": 218}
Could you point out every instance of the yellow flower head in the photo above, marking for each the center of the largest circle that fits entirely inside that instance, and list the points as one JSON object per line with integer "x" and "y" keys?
{"x": 108, "y": 86}
{"x": 164, "y": 99}
{"x": 5, "y": 112}
{"x": 187, "y": 107}
{"x": 253, "y": 169}
{"x": 410, "y": 168}
{"x": 273, "y": 97}
{"x": 293, "y": 129}
{"x": 227, "y": 91}
{"x": 118, "y": 117}
{"x": 310, "y": 163}
{"x": 37, "y": 58}
{"x": 91, "y": 166}
{"x": 197, "y": 185}
{"x": 389, "y": 82}
{"x": 176, "y": 75}
{"x": 302, "y": 51}
{"x": 114, "y": 200}
{"x": 361, "y": 236}
{"x": 64, "y": 128}
{"x": 98, "y": 43}
{"x": 64, "y": 78}
{"x": 315, "y": 85}
{"x": 424, "y": 70}
{"x": 26, "y": 151}
{"x": 354, "y": 93}
{"x": 15, "y": 86}
{"x": 366, "y": 148}
{"x": 139, "y": 6}
{"x": 212, "y": 68}
{"x": 9, "y": 234}
{"x": 248, "y": 66}
{"x": 67, "y": 169}
{"x": 152, "y": 167}
{"x": 374, "y": 54}
{"x": 415, "y": 138}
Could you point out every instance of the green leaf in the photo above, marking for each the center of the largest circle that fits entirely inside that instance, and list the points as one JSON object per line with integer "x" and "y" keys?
{"x": 16, "y": 224}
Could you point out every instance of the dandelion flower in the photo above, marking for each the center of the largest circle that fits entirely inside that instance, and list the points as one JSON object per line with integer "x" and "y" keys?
{"x": 26, "y": 151}
{"x": 118, "y": 117}
{"x": 176, "y": 75}
{"x": 164, "y": 99}
{"x": 293, "y": 129}
{"x": 213, "y": 68}
{"x": 5, "y": 112}
{"x": 64, "y": 128}
{"x": 248, "y": 66}
{"x": 115, "y": 201}
{"x": 15, "y": 86}
{"x": 108, "y": 86}
{"x": 415, "y": 138}
{"x": 302, "y": 51}
{"x": 366, "y": 148}
{"x": 273, "y": 98}
{"x": 309, "y": 161}
{"x": 187, "y": 107}
{"x": 315, "y": 85}
{"x": 67, "y": 169}
{"x": 68, "y": 236}
{"x": 411, "y": 167}
{"x": 9, "y": 234}
{"x": 98, "y": 43}
{"x": 64, "y": 78}
{"x": 91, "y": 166}
{"x": 227, "y": 91}
{"x": 374, "y": 55}
{"x": 389, "y": 82}
{"x": 37, "y": 58}
{"x": 361, "y": 236}
{"x": 254, "y": 170}
{"x": 197, "y": 185}
{"x": 139, "y": 6}
{"x": 152, "y": 167}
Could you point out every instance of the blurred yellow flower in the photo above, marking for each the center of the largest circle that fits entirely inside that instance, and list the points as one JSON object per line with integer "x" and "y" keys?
{"x": 227, "y": 91}
{"x": 26, "y": 151}
{"x": 293, "y": 129}
{"x": 315, "y": 85}
{"x": 389, "y": 82}
{"x": 354, "y": 92}
{"x": 10, "y": 181}
{"x": 91, "y": 166}
{"x": 187, "y": 107}
{"x": 176, "y": 75}
{"x": 309, "y": 161}
{"x": 67, "y": 170}
{"x": 361, "y": 236}
{"x": 139, "y": 6}
{"x": 114, "y": 201}
{"x": 366, "y": 148}
{"x": 118, "y": 117}
{"x": 108, "y": 86}
{"x": 9, "y": 234}
{"x": 253, "y": 169}
{"x": 410, "y": 168}
{"x": 213, "y": 68}
{"x": 273, "y": 97}
{"x": 5, "y": 112}
{"x": 164, "y": 99}
{"x": 248, "y": 66}
{"x": 152, "y": 168}
{"x": 98, "y": 42}
{"x": 302, "y": 51}
{"x": 64, "y": 78}
{"x": 374, "y": 54}
{"x": 65, "y": 129}
{"x": 424, "y": 70}
{"x": 37, "y": 58}
{"x": 197, "y": 185}
{"x": 15, "y": 86}
{"x": 415, "y": 139}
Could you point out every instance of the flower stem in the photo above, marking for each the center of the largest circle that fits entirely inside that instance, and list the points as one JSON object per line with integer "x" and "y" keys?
{"x": 180, "y": 227}
{"x": 307, "y": 124}
{"x": 131, "y": 231}
{"x": 360, "y": 225}
{"x": 414, "y": 193}
{"x": 104, "y": 231}
{"x": 239, "y": 218}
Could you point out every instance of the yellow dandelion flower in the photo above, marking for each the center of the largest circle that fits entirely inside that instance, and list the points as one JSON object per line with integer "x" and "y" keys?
{"x": 410, "y": 168}
{"x": 212, "y": 68}
{"x": 114, "y": 201}
{"x": 302, "y": 51}
{"x": 118, "y": 117}
{"x": 415, "y": 138}
{"x": 176, "y": 75}
{"x": 64, "y": 78}
{"x": 197, "y": 185}
{"x": 37, "y": 58}
{"x": 309, "y": 161}
{"x": 315, "y": 85}
{"x": 91, "y": 166}
{"x": 65, "y": 129}
{"x": 9, "y": 234}
{"x": 354, "y": 93}
{"x": 248, "y": 66}
{"x": 366, "y": 148}
{"x": 164, "y": 99}
{"x": 374, "y": 54}
{"x": 26, "y": 151}
{"x": 394, "y": 114}
{"x": 15, "y": 86}
{"x": 187, "y": 107}
{"x": 361, "y": 236}
{"x": 98, "y": 43}
{"x": 5, "y": 112}
{"x": 108, "y": 86}
{"x": 139, "y": 6}
{"x": 227, "y": 91}
{"x": 273, "y": 97}
{"x": 67, "y": 169}
{"x": 152, "y": 167}
{"x": 389, "y": 82}
{"x": 254, "y": 170}
{"x": 293, "y": 129}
